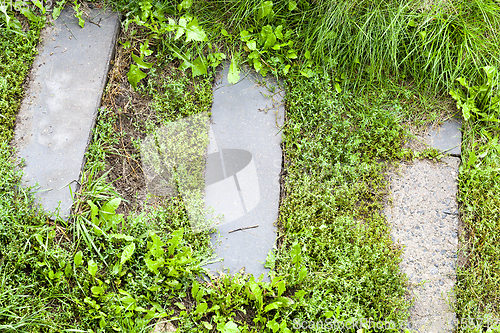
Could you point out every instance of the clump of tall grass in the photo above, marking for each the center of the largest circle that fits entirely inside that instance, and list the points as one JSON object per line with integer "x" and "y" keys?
{"x": 429, "y": 42}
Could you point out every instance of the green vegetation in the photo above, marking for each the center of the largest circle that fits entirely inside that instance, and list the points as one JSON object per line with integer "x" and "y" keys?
{"x": 478, "y": 280}
{"x": 337, "y": 149}
{"x": 358, "y": 75}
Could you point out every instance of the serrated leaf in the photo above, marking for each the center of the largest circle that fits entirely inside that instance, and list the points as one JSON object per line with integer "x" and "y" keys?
{"x": 195, "y": 32}
{"x": 56, "y": 12}
{"x": 127, "y": 253}
{"x": 233, "y": 76}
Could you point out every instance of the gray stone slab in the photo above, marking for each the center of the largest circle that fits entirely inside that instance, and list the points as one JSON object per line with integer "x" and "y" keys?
{"x": 447, "y": 137}
{"x": 58, "y": 112}
{"x": 243, "y": 168}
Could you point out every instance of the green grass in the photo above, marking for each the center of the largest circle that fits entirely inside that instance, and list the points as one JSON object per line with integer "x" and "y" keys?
{"x": 336, "y": 151}
{"x": 478, "y": 280}
{"x": 334, "y": 257}
{"x": 431, "y": 44}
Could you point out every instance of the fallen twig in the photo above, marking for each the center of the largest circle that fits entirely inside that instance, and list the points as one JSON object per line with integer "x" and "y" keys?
{"x": 244, "y": 228}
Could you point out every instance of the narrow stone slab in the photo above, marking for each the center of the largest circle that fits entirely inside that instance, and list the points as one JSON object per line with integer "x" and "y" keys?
{"x": 424, "y": 219}
{"x": 58, "y": 112}
{"x": 447, "y": 137}
{"x": 243, "y": 170}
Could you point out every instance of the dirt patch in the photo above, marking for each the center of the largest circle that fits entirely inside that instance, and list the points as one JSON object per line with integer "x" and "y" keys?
{"x": 137, "y": 113}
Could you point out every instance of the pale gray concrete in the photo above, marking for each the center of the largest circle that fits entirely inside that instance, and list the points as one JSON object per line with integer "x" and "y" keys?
{"x": 425, "y": 220}
{"x": 243, "y": 170}
{"x": 446, "y": 137}
{"x": 59, "y": 109}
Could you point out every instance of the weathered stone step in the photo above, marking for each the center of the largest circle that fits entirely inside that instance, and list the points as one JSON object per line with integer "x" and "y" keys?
{"x": 243, "y": 170}
{"x": 59, "y": 109}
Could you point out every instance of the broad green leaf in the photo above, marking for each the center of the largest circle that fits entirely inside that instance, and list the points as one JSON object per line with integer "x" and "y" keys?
{"x": 97, "y": 290}
{"x": 94, "y": 212}
{"x": 92, "y": 267}
{"x": 154, "y": 265}
{"x": 207, "y": 325}
{"x": 265, "y": 9}
{"x": 39, "y": 239}
{"x": 135, "y": 75}
{"x": 281, "y": 288}
{"x": 39, "y": 5}
{"x": 127, "y": 253}
{"x": 224, "y": 33}
{"x": 296, "y": 257}
{"x": 111, "y": 206}
{"x": 291, "y": 54}
{"x": 252, "y": 45}
{"x": 292, "y": 5}
{"x": 199, "y": 66}
{"x": 195, "y": 32}
{"x": 181, "y": 29}
{"x": 122, "y": 237}
{"x": 180, "y": 305}
{"x": 245, "y": 35}
{"x": 201, "y": 308}
{"x": 228, "y": 327}
{"x": 144, "y": 49}
{"x": 278, "y": 32}
{"x": 175, "y": 240}
{"x": 234, "y": 73}
{"x": 141, "y": 63}
{"x": 337, "y": 87}
{"x": 257, "y": 65}
{"x": 267, "y": 36}
{"x": 56, "y": 12}
{"x": 302, "y": 274}
{"x": 78, "y": 258}
{"x": 185, "y": 4}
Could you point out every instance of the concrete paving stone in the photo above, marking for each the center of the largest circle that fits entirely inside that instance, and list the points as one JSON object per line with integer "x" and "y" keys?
{"x": 245, "y": 137}
{"x": 58, "y": 112}
{"x": 426, "y": 255}
{"x": 447, "y": 137}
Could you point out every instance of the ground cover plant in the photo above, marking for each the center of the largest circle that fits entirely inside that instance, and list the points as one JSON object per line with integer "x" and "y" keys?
{"x": 357, "y": 75}
{"x": 478, "y": 279}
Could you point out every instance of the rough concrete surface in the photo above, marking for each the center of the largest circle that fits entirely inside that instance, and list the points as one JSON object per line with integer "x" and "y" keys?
{"x": 58, "y": 112}
{"x": 424, "y": 219}
{"x": 245, "y": 146}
